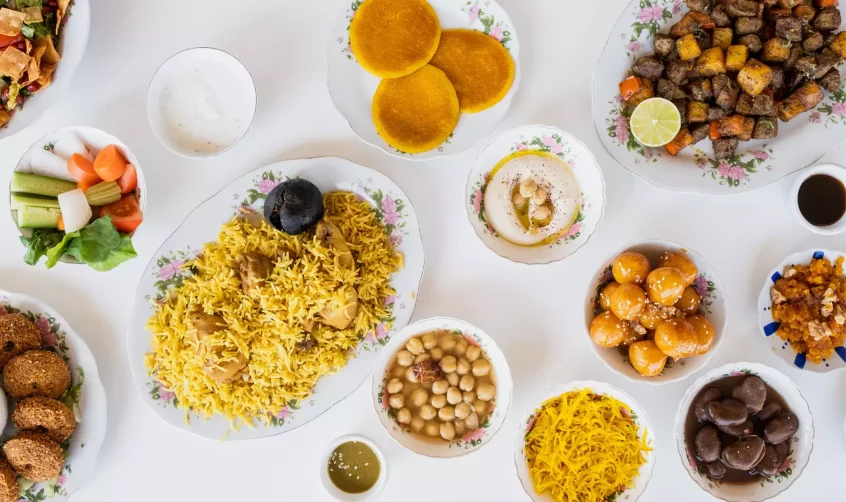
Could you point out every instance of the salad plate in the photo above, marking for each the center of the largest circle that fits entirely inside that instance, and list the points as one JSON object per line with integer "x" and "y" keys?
{"x": 247, "y": 195}
{"x": 756, "y": 163}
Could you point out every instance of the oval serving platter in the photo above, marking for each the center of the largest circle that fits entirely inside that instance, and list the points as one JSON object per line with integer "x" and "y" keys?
{"x": 86, "y": 397}
{"x": 352, "y": 88}
{"x": 247, "y": 195}
{"x": 756, "y": 164}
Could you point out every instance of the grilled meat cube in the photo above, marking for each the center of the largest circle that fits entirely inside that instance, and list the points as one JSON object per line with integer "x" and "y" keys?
{"x": 814, "y": 42}
{"x": 666, "y": 89}
{"x": 715, "y": 113}
{"x": 793, "y": 80}
{"x": 704, "y": 39}
{"x": 827, "y": 19}
{"x": 681, "y": 106}
{"x": 789, "y": 28}
{"x": 664, "y": 44}
{"x": 727, "y": 97}
{"x": 777, "y": 83}
{"x": 826, "y": 60}
{"x": 796, "y": 52}
{"x": 804, "y": 12}
{"x": 700, "y": 90}
{"x": 789, "y": 4}
{"x": 829, "y": 37}
{"x": 774, "y": 15}
{"x": 763, "y": 106}
{"x": 724, "y": 147}
{"x": 736, "y": 126}
{"x": 765, "y": 128}
{"x": 700, "y": 132}
{"x": 699, "y": 5}
{"x": 752, "y": 42}
{"x": 747, "y": 25}
{"x": 720, "y": 16}
{"x": 677, "y": 71}
{"x": 741, "y": 8}
{"x": 718, "y": 83}
{"x": 831, "y": 80}
{"x": 806, "y": 65}
{"x": 806, "y": 97}
{"x": 648, "y": 67}
{"x": 744, "y": 104}
{"x": 769, "y": 3}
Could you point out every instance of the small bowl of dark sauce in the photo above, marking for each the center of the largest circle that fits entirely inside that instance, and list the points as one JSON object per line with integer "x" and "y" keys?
{"x": 353, "y": 469}
{"x": 819, "y": 199}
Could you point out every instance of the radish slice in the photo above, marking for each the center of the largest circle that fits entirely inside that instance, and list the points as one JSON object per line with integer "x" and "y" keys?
{"x": 76, "y": 212}
{"x": 47, "y": 163}
{"x": 70, "y": 144}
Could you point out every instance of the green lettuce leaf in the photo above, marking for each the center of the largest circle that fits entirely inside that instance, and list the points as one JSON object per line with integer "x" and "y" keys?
{"x": 38, "y": 244}
{"x": 96, "y": 241}
{"x": 122, "y": 253}
{"x": 54, "y": 254}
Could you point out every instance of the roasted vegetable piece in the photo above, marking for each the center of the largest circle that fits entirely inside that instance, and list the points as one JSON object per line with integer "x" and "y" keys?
{"x": 646, "y": 91}
{"x": 630, "y": 86}
{"x": 699, "y": 5}
{"x": 699, "y": 132}
{"x": 715, "y": 114}
{"x": 774, "y": 15}
{"x": 765, "y": 128}
{"x": 752, "y": 42}
{"x": 827, "y": 19}
{"x": 666, "y": 89}
{"x": 776, "y": 50}
{"x": 736, "y": 126}
{"x": 754, "y": 77}
{"x": 838, "y": 45}
{"x": 769, "y": 3}
{"x": 804, "y": 12}
{"x": 724, "y": 148}
{"x": 682, "y": 140}
{"x": 700, "y": 90}
{"x": 677, "y": 71}
{"x": 736, "y": 57}
{"x": 697, "y": 112}
{"x": 688, "y": 47}
{"x": 648, "y": 67}
{"x": 714, "y": 130}
{"x": 789, "y": 28}
{"x": 720, "y": 16}
{"x": 747, "y": 25}
{"x": 825, "y": 3}
{"x": 664, "y": 44}
{"x": 806, "y": 97}
{"x": 813, "y": 43}
{"x": 741, "y": 8}
{"x": 807, "y": 65}
{"x": 722, "y": 38}
{"x": 789, "y": 4}
{"x": 691, "y": 23}
{"x": 712, "y": 62}
{"x": 777, "y": 84}
{"x": 831, "y": 80}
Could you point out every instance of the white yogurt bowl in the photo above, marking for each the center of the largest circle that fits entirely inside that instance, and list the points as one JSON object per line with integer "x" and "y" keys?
{"x": 343, "y": 496}
{"x": 201, "y": 102}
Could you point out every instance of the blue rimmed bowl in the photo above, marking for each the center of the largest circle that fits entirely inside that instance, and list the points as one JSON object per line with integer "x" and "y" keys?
{"x": 769, "y": 326}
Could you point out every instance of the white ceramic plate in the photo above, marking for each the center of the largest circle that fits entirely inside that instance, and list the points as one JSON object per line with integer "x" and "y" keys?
{"x": 714, "y": 306}
{"x": 801, "y": 444}
{"x": 471, "y": 440}
{"x": 248, "y": 193}
{"x": 352, "y": 88}
{"x": 95, "y": 140}
{"x": 779, "y": 346}
{"x": 72, "y": 46}
{"x": 86, "y": 394}
{"x": 640, "y": 419}
{"x": 566, "y": 147}
{"x": 757, "y": 163}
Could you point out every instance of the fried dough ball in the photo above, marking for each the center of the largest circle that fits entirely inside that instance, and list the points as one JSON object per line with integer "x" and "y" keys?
{"x": 636, "y": 334}
{"x": 681, "y": 263}
{"x": 646, "y": 358}
{"x": 653, "y": 315}
{"x": 630, "y": 267}
{"x": 607, "y": 330}
{"x": 17, "y": 335}
{"x": 605, "y": 295}
{"x": 676, "y": 338}
{"x": 36, "y": 373}
{"x": 704, "y": 333}
{"x": 627, "y": 301}
{"x": 665, "y": 286}
{"x": 689, "y": 301}
{"x": 42, "y": 414}
{"x": 9, "y": 491}
{"x": 34, "y": 456}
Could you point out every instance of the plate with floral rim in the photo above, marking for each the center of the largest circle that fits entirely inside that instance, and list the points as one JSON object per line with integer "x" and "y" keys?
{"x": 86, "y": 397}
{"x": 549, "y": 141}
{"x": 638, "y": 415}
{"x": 170, "y": 266}
{"x": 352, "y": 88}
{"x": 757, "y": 163}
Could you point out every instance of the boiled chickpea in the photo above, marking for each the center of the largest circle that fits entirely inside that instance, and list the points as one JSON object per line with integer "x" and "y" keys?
{"x": 427, "y": 412}
{"x": 473, "y": 353}
{"x": 405, "y": 358}
{"x": 467, "y": 383}
{"x": 447, "y": 343}
{"x": 459, "y": 426}
{"x": 447, "y": 431}
{"x": 438, "y": 401}
{"x": 453, "y": 395}
{"x": 440, "y": 387}
{"x": 415, "y": 346}
{"x": 399, "y": 372}
{"x": 453, "y": 379}
{"x": 448, "y": 364}
{"x": 481, "y": 367}
{"x": 397, "y": 401}
{"x": 404, "y": 416}
{"x": 468, "y": 397}
{"x": 436, "y": 354}
{"x": 460, "y": 347}
{"x": 447, "y": 413}
{"x": 430, "y": 341}
{"x": 422, "y": 357}
{"x": 394, "y": 386}
{"x": 417, "y": 424}
{"x": 485, "y": 392}
{"x": 480, "y": 406}
{"x": 431, "y": 429}
{"x": 472, "y": 422}
{"x": 411, "y": 376}
{"x": 462, "y": 367}
{"x": 463, "y": 410}
{"x": 419, "y": 397}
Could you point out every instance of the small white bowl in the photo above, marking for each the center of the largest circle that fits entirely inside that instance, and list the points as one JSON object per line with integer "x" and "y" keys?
{"x": 470, "y": 441}
{"x": 832, "y": 170}
{"x": 353, "y": 497}
{"x": 222, "y": 68}
{"x": 548, "y": 140}
{"x": 4, "y": 410}
{"x": 714, "y": 307}
{"x": 801, "y": 444}
{"x": 639, "y": 416}
{"x": 780, "y": 347}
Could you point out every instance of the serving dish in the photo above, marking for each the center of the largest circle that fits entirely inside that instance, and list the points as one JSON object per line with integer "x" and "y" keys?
{"x": 800, "y": 447}
{"x": 756, "y": 164}
{"x": 353, "y": 497}
{"x": 714, "y": 306}
{"x": 86, "y": 394}
{"x": 247, "y": 195}
{"x": 777, "y": 345}
{"x": 470, "y": 441}
{"x": 352, "y": 88}
{"x": 546, "y": 140}
{"x": 638, "y": 415}
{"x": 831, "y": 170}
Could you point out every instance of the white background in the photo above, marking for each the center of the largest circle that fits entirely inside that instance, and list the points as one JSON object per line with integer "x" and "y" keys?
{"x": 534, "y": 313}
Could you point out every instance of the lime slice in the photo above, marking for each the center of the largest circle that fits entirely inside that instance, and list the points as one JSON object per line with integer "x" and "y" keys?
{"x": 655, "y": 122}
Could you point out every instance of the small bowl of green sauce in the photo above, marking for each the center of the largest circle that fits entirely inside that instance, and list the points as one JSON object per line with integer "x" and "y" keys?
{"x": 353, "y": 469}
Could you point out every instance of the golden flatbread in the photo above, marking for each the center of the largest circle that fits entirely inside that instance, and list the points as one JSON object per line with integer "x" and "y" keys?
{"x": 416, "y": 113}
{"x": 13, "y": 63}
{"x": 11, "y": 22}
{"x": 51, "y": 55}
{"x": 394, "y": 38}
{"x": 479, "y": 67}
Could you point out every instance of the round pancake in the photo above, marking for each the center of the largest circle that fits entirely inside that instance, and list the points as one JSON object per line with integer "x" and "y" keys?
{"x": 394, "y": 38}
{"x": 416, "y": 113}
{"x": 479, "y": 67}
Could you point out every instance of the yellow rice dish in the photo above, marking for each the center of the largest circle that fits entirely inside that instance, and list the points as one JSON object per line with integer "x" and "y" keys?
{"x": 584, "y": 447}
{"x": 266, "y": 314}
{"x": 394, "y": 38}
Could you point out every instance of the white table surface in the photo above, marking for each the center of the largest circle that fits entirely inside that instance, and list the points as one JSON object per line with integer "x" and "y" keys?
{"x": 534, "y": 313}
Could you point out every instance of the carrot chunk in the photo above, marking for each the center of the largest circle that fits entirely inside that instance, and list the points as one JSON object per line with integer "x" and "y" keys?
{"x": 682, "y": 140}
{"x": 109, "y": 164}
{"x": 629, "y": 87}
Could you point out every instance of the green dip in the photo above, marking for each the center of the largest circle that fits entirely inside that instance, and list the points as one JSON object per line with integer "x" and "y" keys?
{"x": 353, "y": 467}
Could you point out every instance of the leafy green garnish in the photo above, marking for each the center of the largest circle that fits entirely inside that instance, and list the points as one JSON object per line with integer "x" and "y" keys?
{"x": 124, "y": 252}
{"x": 99, "y": 245}
{"x": 55, "y": 253}
{"x": 35, "y": 30}
{"x": 14, "y": 90}
{"x": 38, "y": 244}
{"x": 49, "y": 147}
{"x": 21, "y": 4}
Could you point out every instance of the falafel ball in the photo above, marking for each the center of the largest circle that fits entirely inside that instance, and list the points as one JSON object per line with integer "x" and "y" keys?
{"x": 17, "y": 335}
{"x": 36, "y": 373}
{"x": 9, "y": 490}
{"x": 34, "y": 456}
{"x": 42, "y": 414}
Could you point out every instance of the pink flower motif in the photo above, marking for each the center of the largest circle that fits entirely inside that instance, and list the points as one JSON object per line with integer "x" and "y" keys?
{"x": 839, "y": 109}
{"x": 61, "y": 480}
{"x": 170, "y": 269}
{"x": 471, "y": 340}
{"x": 737, "y": 373}
{"x": 622, "y": 130}
{"x": 283, "y": 413}
{"x": 657, "y": 12}
{"x": 43, "y": 325}
{"x": 474, "y": 13}
{"x": 390, "y": 300}
{"x": 3, "y": 310}
{"x": 477, "y": 200}
{"x": 521, "y": 147}
{"x": 391, "y": 218}
{"x": 724, "y": 169}
{"x": 49, "y": 339}
{"x": 815, "y": 117}
{"x": 691, "y": 461}
{"x": 381, "y": 331}
{"x": 164, "y": 394}
{"x": 487, "y": 177}
{"x": 473, "y": 435}
{"x": 701, "y": 286}
{"x": 532, "y": 422}
{"x": 385, "y": 400}
{"x": 497, "y": 33}
{"x": 265, "y": 186}
{"x": 676, "y": 7}
{"x": 784, "y": 465}
{"x": 553, "y": 145}
{"x": 395, "y": 239}
{"x": 572, "y": 231}
{"x": 370, "y": 338}
{"x": 635, "y": 46}
{"x": 648, "y": 153}
{"x": 701, "y": 163}
{"x": 737, "y": 173}
{"x": 618, "y": 98}
{"x": 606, "y": 276}
{"x": 625, "y": 412}
{"x": 389, "y": 205}
{"x": 645, "y": 15}
{"x": 760, "y": 154}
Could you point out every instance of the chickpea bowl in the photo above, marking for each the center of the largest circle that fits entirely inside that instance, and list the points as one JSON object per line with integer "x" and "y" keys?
{"x": 442, "y": 388}
{"x": 655, "y": 312}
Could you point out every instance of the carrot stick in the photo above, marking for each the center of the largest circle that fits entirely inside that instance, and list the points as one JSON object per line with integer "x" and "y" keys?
{"x": 682, "y": 140}
{"x": 109, "y": 164}
{"x": 61, "y": 224}
{"x": 714, "y": 132}
{"x": 82, "y": 170}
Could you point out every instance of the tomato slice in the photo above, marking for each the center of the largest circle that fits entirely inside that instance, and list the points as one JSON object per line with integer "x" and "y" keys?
{"x": 7, "y": 40}
{"x": 126, "y": 214}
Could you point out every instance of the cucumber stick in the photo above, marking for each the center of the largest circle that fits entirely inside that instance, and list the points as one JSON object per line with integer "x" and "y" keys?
{"x": 38, "y": 217}
{"x": 40, "y": 185}
{"x": 103, "y": 194}
{"x": 21, "y": 201}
